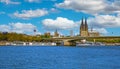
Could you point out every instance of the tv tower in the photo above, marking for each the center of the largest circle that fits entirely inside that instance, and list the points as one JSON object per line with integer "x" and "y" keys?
{"x": 34, "y": 31}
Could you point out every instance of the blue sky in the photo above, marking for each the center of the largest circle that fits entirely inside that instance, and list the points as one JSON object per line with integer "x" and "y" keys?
{"x": 23, "y": 16}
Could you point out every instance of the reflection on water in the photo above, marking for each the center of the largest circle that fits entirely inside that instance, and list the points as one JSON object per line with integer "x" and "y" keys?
{"x": 46, "y": 57}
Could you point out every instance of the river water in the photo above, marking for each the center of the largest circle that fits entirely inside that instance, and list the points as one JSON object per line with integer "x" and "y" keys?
{"x": 59, "y": 57}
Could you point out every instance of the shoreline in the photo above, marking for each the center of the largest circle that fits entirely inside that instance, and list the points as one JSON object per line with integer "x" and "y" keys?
{"x": 6, "y": 43}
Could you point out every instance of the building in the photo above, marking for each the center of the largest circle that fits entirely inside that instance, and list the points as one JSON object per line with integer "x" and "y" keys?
{"x": 94, "y": 34}
{"x": 47, "y": 34}
{"x": 84, "y": 30}
{"x": 56, "y": 34}
{"x": 71, "y": 33}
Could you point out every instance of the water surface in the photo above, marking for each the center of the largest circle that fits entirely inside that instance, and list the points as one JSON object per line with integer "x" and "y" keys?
{"x": 54, "y": 57}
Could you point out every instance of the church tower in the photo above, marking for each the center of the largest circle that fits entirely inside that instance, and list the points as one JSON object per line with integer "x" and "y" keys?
{"x": 56, "y": 34}
{"x": 84, "y": 28}
{"x": 81, "y": 26}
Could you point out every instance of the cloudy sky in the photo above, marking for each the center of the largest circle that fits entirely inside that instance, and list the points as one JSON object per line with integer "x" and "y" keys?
{"x": 23, "y": 16}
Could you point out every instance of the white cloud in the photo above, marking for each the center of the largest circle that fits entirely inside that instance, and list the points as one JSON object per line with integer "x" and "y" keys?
{"x": 31, "y": 1}
{"x": 91, "y": 6}
{"x": 26, "y": 14}
{"x": 4, "y": 28}
{"x": 105, "y": 21}
{"x": 18, "y": 28}
{"x": 59, "y": 23}
{"x": 22, "y": 27}
{"x": 9, "y": 2}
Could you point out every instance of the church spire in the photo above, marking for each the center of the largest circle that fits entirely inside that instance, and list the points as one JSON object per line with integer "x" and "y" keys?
{"x": 86, "y": 26}
{"x": 56, "y": 34}
{"x": 81, "y": 26}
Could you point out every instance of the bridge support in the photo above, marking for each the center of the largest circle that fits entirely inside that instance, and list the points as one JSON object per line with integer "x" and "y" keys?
{"x": 68, "y": 43}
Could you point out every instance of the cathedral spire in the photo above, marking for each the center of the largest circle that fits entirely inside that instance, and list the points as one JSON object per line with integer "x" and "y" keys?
{"x": 86, "y": 26}
{"x": 82, "y": 23}
{"x": 81, "y": 26}
{"x": 56, "y": 34}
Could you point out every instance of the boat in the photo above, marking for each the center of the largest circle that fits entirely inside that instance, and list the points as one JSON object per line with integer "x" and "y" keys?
{"x": 87, "y": 43}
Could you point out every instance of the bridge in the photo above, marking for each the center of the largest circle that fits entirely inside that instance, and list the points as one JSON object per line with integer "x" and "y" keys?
{"x": 72, "y": 40}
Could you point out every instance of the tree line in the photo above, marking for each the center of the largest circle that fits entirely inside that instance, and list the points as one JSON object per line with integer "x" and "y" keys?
{"x": 4, "y": 36}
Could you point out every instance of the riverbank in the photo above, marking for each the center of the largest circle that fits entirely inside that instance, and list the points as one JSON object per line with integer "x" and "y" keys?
{"x": 5, "y": 43}
{"x": 2, "y": 43}
{"x": 112, "y": 44}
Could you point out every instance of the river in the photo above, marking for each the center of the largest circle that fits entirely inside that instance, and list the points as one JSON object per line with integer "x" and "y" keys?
{"x": 59, "y": 57}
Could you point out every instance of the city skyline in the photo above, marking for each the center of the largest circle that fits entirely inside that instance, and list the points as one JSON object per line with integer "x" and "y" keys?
{"x": 24, "y": 16}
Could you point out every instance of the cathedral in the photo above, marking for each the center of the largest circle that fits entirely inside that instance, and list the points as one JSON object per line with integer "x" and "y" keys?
{"x": 84, "y": 30}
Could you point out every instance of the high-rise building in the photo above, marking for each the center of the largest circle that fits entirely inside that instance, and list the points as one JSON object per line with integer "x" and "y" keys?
{"x": 71, "y": 33}
{"x": 84, "y": 28}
